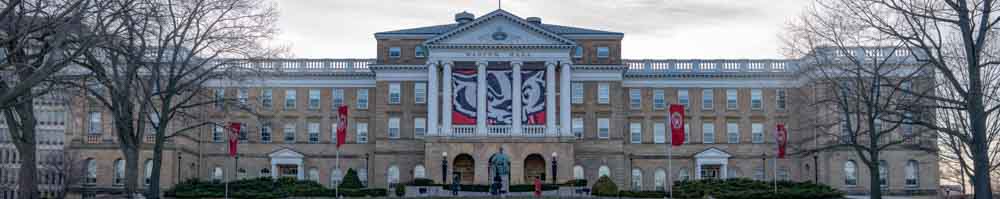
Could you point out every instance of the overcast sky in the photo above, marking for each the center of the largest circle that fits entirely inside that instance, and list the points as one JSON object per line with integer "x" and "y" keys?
{"x": 676, "y": 29}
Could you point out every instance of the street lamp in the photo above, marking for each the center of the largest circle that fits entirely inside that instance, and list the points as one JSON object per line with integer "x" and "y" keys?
{"x": 444, "y": 167}
{"x": 816, "y": 168}
{"x": 555, "y": 163}
{"x": 366, "y": 170}
{"x": 763, "y": 167}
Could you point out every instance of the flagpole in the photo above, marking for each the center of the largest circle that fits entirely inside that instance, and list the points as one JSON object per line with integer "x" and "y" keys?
{"x": 336, "y": 188}
{"x": 775, "y": 179}
{"x": 670, "y": 168}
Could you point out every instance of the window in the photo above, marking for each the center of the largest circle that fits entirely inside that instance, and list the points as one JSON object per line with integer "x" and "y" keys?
{"x": 756, "y": 99}
{"x": 635, "y": 98}
{"x": 732, "y": 102}
{"x": 687, "y": 132}
{"x": 265, "y": 132}
{"x": 635, "y": 132}
{"x": 577, "y": 93}
{"x": 333, "y": 131}
{"x": 845, "y": 129}
{"x": 733, "y": 133}
{"x": 362, "y": 98}
{"x": 850, "y": 173}
{"x": 242, "y": 95}
{"x": 265, "y": 172}
{"x": 603, "y": 52}
{"x": 220, "y": 97}
{"x": 243, "y": 133}
{"x": 603, "y": 171}
{"x": 419, "y": 127}
{"x": 603, "y": 128}
{"x": 363, "y": 175}
{"x": 313, "y": 132}
{"x": 289, "y": 132}
{"x": 419, "y": 92}
{"x": 907, "y": 125}
{"x": 266, "y": 96}
{"x": 707, "y": 99}
{"x": 660, "y": 180}
{"x": 682, "y": 97}
{"x": 313, "y": 99}
{"x": 783, "y": 173}
{"x": 91, "y": 172}
{"x": 708, "y": 133}
{"x": 683, "y": 174}
{"x": 335, "y": 177}
{"x": 578, "y": 173}
{"x": 636, "y": 179}
{"x": 578, "y": 52}
{"x": 757, "y": 133}
{"x": 392, "y": 176}
{"x": 883, "y": 173}
{"x": 393, "y": 127}
{"x": 314, "y": 174}
{"x": 290, "y": 99}
{"x": 578, "y": 127}
{"x": 659, "y": 133}
{"x": 217, "y": 133}
{"x": 782, "y": 99}
{"x": 362, "y": 132}
{"x": 419, "y": 171}
{"x": 217, "y": 174}
{"x": 394, "y": 93}
{"x": 603, "y": 93}
{"x": 94, "y": 128}
{"x": 338, "y": 98}
{"x": 912, "y": 173}
{"x": 241, "y": 173}
{"x": 394, "y": 52}
{"x": 906, "y": 88}
{"x": 420, "y": 51}
{"x": 119, "y": 178}
{"x": 758, "y": 173}
{"x": 659, "y": 99}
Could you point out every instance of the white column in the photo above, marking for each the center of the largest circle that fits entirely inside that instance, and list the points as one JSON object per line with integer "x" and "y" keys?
{"x": 446, "y": 100}
{"x": 432, "y": 99}
{"x": 481, "y": 98}
{"x": 550, "y": 98}
{"x": 564, "y": 94}
{"x": 516, "y": 108}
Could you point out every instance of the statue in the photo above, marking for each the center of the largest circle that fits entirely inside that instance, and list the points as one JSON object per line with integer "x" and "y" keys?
{"x": 500, "y": 164}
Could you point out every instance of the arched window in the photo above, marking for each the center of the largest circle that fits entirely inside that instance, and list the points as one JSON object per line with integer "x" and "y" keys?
{"x": 119, "y": 178}
{"x": 314, "y": 174}
{"x": 392, "y": 176}
{"x": 660, "y": 180}
{"x": 636, "y": 179}
{"x": 783, "y": 174}
{"x": 217, "y": 174}
{"x": 149, "y": 170}
{"x": 578, "y": 172}
{"x": 683, "y": 174}
{"x": 265, "y": 172}
{"x": 335, "y": 177}
{"x": 363, "y": 175}
{"x": 912, "y": 173}
{"x": 241, "y": 173}
{"x": 758, "y": 173}
{"x": 850, "y": 173}
{"x": 603, "y": 171}
{"x": 91, "y": 166}
{"x": 419, "y": 172}
{"x": 883, "y": 173}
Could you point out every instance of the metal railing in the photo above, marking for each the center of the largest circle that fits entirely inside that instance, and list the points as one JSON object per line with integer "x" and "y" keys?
{"x": 654, "y": 66}
{"x": 298, "y": 65}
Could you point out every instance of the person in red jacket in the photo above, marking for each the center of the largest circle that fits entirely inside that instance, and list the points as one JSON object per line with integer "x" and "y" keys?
{"x": 538, "y": 187}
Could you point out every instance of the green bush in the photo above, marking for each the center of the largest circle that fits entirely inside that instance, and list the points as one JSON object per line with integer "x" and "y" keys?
{"x": 469, "y": 187}
{"x": 352, "y": 193}
{"x": 400, "y": 190}
{"x": 376, "y": 192}
{"x": 531, "y": 187}
{"x": 604, "y": 187}
{"x": 576, "y": 183}
{"x": 422, "y": 182}
{"x": 351, "y": 181}
{"x": 746, "y": 188}
{"x": 642, "y": 194}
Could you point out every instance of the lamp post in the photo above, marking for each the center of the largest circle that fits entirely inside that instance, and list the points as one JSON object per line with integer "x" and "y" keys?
{"x": 763, "y": 167}
{"x": 179, "y": 157}
{"x": 555, "y": 166}
{"x": 816, "y": 168}
{"x": 444, "y": 167}
{"x": 366, "y": 170}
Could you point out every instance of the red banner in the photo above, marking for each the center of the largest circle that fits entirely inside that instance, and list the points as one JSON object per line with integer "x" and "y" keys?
{"x": 342, "y": 125}
{"x": 234, "y": 129}
{"x": 676, "y": 124}
{"x": 782, "y": 139}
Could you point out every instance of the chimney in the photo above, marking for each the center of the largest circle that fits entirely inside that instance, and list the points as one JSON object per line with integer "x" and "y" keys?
{"x": 464, "y": 17}
{"x": 535, "y": 20}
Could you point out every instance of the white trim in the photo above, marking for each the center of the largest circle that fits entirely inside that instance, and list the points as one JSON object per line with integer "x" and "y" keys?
{"x": 275, "y": 83}
{"x": 709, "y": 83}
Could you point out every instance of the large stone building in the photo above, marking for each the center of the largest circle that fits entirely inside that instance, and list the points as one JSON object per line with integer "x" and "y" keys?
{"x": 443, "y": 95}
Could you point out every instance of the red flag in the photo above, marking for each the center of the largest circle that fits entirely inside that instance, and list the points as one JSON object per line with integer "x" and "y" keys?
{"x": 782, "y": 140}
{"x": 676, "y": 124}
{"x": 342, "y": 125}
{"x": 234, "y": 128}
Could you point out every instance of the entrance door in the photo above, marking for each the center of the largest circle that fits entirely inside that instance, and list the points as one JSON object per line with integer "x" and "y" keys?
{"x": 711, "y": 171}
{"x": 288, "y": 170}
{"x": 534, "y": 167}
{"x": 464, "y": 167}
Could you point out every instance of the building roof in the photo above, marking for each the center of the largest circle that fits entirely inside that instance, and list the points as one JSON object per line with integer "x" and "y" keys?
{"x": 440, "y": 29}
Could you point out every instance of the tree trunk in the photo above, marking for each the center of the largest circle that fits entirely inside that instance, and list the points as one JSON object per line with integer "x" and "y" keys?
{"x": 131, "y": 172}
{"x": 22, "y": 129}
{"x": 153, "y": 191}
{"x": 980, "y": 151}
{"x": 874, "y": 185}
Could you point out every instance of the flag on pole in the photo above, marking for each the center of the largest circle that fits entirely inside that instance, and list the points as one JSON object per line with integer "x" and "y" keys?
{"x": 234, "y": 129}
{"x": 676, "y": 124}
{"x": 342, "y": 125}
{"x": 782, "y": 140}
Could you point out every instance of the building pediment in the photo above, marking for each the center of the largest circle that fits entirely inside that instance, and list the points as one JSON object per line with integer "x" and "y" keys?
{"x": 499, "y": 28}
{"x": 712, "y": 153}
{"x": 286, "y": 153}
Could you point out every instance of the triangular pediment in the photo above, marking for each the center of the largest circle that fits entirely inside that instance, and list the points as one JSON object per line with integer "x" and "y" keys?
{"x": 712, "y": 153}
{"x": 499, "y": 28}
{"x": 285, "y": 153}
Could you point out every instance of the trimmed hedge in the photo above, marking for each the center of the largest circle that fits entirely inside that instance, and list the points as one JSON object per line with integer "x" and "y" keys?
{"x": 264, "y": 188}
{"x": 746, "y": 188}
{"x": 531, "y": 187}
{"x": 422, "y": 182}
{"x": 604, "y": 187}
{"x": 642, "y": 194}
{"x": 469, "y": 187}
{"x": 576, "y": 183}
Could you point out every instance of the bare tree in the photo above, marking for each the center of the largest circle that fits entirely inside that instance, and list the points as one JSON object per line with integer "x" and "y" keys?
{"x": 958, "y": 40}
{"x": 38, "y": 38}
